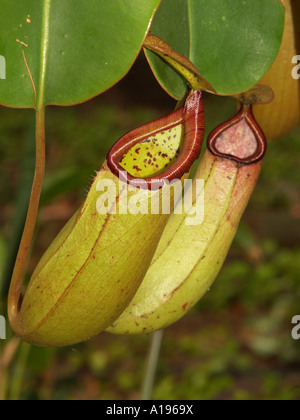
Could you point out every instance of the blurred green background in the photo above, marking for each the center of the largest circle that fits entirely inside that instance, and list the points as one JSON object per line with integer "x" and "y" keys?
{"x": 236, "y": 343}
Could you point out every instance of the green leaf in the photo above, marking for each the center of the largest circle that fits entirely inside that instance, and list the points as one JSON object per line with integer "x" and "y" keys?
{"x": 74, "y": 50}
{"x": 233, "y": 43}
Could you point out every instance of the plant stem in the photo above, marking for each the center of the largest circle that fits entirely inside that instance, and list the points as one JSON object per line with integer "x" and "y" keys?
{"x": 21, "y": 206}
{"x": 149, "y": 378}
{"x": 15, "y": 292}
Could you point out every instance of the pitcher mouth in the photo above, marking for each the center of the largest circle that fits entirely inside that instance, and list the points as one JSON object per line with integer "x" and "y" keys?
{"x": 186, "y": 125}
{"x": 239, "y": 139}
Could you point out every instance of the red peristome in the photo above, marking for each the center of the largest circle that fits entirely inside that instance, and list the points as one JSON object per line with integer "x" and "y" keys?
{"x": 228, "y": 130}
{"x": 191, "y": 116}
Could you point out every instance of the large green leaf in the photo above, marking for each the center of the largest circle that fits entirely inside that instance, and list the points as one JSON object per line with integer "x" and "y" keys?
{"x": 74, "y": 49}
{"x": 233, "y": 43}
